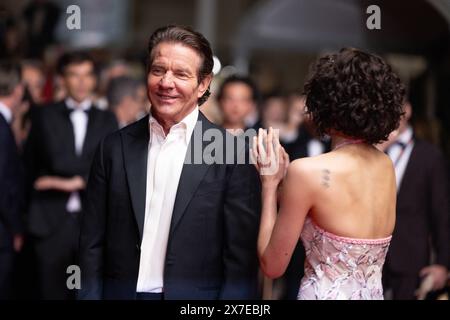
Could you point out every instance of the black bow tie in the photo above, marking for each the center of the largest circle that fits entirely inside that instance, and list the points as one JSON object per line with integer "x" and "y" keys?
{"x": 401, "y": 144}
{"x": 68, "y": 110}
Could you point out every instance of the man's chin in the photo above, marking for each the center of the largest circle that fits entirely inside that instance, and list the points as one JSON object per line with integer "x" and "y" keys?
{"x": 79, "y": 98}
{"x": 164, "y": 110}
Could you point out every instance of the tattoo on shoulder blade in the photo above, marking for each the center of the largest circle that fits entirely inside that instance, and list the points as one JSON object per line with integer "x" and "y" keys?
{"x": 325, "y": 178}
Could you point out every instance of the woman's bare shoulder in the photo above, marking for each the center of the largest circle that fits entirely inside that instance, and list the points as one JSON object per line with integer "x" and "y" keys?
{"x": 311, "y": 164}
{"x": 308, "y": 168}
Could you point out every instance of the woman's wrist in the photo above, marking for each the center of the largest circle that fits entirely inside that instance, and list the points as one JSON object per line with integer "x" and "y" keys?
{"x": 270, "y": 187}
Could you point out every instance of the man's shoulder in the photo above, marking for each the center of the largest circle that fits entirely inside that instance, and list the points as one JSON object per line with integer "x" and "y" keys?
{"x": 136, "y": 129}
{"x": 46, "y": 113}
{"x": 106, "y": 116}
{"x": 208, "y": 124}
{"x": 5, "y": 130}
{"x": 242, "y": 138}
{"x": 3, "y": 123}
{"x": 427, "y": 150}
{"x": 105, "y": 113}
{"x": 50, "y": 107}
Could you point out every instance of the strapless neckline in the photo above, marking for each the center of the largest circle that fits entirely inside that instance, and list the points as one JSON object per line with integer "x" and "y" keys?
{"x": 333, "y": 236}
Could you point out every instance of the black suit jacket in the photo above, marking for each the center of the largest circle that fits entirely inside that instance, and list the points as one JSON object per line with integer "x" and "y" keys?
{"x": 211, "y": 252}
{"x": 422, "y": 213}
{"x": 11, "y": 186}
{"x": 50, "y": 150}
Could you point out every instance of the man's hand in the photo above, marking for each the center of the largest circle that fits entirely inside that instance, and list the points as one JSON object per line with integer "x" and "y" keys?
{"x": 61, "y": 184}
{"x": 439, "y": 274}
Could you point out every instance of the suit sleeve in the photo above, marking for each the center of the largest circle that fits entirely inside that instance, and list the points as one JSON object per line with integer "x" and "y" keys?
{"x": 33, "y": 153}
{"x": 92, "y": 235}
{"x": 242, "y": 210}
{"x": 110, "y": 126}
{"x": 440, "y": 210}
{"x": 10, "y": 183}
{"x": 112, "y": 121}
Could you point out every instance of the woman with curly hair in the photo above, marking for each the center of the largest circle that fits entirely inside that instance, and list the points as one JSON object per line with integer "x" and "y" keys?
{"x": 342, "y": 203}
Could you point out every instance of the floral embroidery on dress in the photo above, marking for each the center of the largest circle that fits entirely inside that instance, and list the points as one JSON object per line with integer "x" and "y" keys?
{"x": 341, "y": 268}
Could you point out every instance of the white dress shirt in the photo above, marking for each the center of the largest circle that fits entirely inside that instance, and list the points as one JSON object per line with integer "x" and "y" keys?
{"x": 79, "y": 120}
{"x": 6, "y": 112}
{"x": 315, "y": 147}
{"x": 400, "y": 154}
{"x": 164, "y": 164}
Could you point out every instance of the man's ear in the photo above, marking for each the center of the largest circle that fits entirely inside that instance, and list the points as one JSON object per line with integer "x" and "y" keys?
{"x": 18, "y": 92}
{"x": 407, "y": 108}
{"x": 204, "y": 85}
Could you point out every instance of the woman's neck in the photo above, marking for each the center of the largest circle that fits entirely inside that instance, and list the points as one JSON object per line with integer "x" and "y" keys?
{"x": 338, "y": 141}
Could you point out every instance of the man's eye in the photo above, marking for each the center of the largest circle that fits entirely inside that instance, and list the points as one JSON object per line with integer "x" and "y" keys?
{"x": 182, "y": 75}
{"x": 157, "y": 71}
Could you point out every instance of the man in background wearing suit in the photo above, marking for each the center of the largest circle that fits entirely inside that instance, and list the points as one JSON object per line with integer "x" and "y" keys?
{"x": 159, "y": 226}
{"x": 11, "y": 186}
{"x": 422, "y": 214}
{"x": 59, "y": 152}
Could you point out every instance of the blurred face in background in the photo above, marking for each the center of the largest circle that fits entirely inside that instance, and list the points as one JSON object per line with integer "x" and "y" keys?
{"x": 79, "y": 80}
{"x": 115, "y": 70}
{"x": 142, "y": 97}
{"x": 34, "y": 81}
{"x": 404, "y": 120}
{"x": 236, "y": 103}
{"x": 274, "y": 112}
{"x": 296, "y": 110}
{"x": 135, "y": 104}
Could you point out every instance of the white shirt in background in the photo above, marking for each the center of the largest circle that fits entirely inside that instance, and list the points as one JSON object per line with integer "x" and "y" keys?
{"x": 6, "y": 112}
{"x": 400, "y": 157}
{"x": 79, "y": 119}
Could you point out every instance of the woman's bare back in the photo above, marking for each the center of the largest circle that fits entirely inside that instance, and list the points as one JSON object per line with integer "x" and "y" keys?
{"x": 354, "y": 191}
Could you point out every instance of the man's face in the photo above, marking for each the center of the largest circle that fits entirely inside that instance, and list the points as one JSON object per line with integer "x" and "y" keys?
{"x": 296, "y": 110}
{"x": 172, "y": 82}
{"x": 236, "y": 102}
{"x": 275, "y": 110}
{"x": 80, "y": 81}
{"x": 35, "y": 82}
{"x": 135, "y": 104}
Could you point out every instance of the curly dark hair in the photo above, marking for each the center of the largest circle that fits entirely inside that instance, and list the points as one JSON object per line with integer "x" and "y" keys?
{"x": 356, "y": 94}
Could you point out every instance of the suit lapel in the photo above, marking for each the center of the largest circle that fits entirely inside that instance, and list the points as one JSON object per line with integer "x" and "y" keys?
{"x": 90, "y": 130}
{"x": 135, "y": 153}
{"x": 67, "y": 128}
{"x": 191, "y": 174}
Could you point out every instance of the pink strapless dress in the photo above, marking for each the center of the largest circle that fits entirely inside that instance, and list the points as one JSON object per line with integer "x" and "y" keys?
{"x": 341, "y": 268}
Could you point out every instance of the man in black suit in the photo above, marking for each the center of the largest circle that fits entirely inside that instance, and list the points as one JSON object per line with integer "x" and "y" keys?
{"x": 11, "y": 186}
{"x": 59, "y": 153}
{"x": 422, "y": 214}
{"x": 164, "y": 221}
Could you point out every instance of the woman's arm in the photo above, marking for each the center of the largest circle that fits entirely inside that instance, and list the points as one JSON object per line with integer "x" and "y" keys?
{"x": 279, "y": 233}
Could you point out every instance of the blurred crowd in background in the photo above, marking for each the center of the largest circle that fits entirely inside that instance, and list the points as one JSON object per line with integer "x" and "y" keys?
{"x": 112, "y": 79}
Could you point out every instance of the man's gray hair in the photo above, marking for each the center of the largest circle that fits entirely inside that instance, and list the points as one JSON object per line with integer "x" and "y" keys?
{"x": 10, "y": 77}
{"x": 121, "y": 87}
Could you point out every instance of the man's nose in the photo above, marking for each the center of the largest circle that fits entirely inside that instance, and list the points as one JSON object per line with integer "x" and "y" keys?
{"x": 167, "y": 80}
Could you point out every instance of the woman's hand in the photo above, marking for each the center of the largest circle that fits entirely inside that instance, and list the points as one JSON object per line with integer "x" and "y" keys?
{"x": 61, "y": 184}
{"x": 269, "y": 157}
